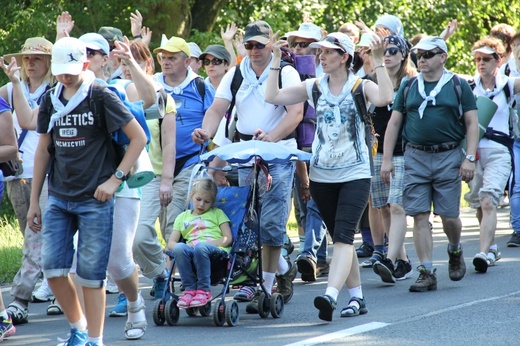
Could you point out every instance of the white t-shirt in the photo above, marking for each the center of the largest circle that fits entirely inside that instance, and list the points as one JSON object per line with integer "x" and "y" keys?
{"x": 253, "y": 112}
{"x": 500, "y": 121}
{"x": 339, "y": 151}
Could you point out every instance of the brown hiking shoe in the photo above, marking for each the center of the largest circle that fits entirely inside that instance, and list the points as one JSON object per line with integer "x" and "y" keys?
{"x": 285, "y": 282}
{"x": 456, "y": 265}
{"x": 427, "y": 280}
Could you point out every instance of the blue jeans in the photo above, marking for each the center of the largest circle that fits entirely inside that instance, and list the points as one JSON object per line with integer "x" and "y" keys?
{"x": 94, "y": 221}
{"x": 274, "y": 205}
{"x": 315, "y": 245}
{"x": 194, "y": 264}
{"x": 514, "y": 198}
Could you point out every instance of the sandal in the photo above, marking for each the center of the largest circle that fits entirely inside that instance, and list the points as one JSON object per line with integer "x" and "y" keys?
{"x": 352, "y": 310}
{"x": 54, "y": 308}
{"x": 135, "y": 330}
{"x": 201, "y": 298}
{"x": 326, "y": 304}
{"x": 184, "y": 302}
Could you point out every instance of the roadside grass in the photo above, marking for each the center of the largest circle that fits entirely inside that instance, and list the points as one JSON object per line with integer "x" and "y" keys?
{"x": 11, "y": 242}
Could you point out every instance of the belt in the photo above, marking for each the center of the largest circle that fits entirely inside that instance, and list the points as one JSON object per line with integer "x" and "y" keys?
{"x": 245, "y": 137}
{"x": 436, "y": 148}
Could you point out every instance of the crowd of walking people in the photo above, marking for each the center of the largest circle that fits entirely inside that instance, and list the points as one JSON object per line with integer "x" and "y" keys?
{"x": 393, "y": 133}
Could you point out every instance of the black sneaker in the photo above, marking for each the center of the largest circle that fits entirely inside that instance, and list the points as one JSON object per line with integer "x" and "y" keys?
{"x": 456, "y": 265}
{"x": 427, "y": 280}
{"x": 515, "y": 240}
{"x": 364, "y": 250}
{"x": 403, "y": 269}
{"x": 385, "y": 269}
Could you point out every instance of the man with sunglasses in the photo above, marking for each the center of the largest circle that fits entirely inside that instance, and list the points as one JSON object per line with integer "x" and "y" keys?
{"x": 433, "y": 128}
{"x": 259, "y": 120}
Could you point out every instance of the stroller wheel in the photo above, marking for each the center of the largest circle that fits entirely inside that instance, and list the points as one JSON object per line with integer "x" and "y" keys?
{"x": 232, "y": 313}
{"x": 219, "y": 316}
{"x": 276, "y": 305}
{"x": 171, "y": 312}
{"x": 263, "y": 305}
{"x": 205, "y": 310}
{"x": 158, "y": 312}
{"x": 192, "y": 312}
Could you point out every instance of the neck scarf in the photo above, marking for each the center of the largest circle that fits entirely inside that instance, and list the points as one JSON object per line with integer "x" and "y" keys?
{"x": 250, "y": 81}
{"x": 335, "y": 101}
{"x": 500, "y": 82}
{"x": 445, "y": 78}
{"x": 177, "y": 90}
{"x": 59, "y": 109}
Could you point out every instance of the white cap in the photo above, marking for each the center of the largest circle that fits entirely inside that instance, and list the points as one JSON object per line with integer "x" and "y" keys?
{"x": 306, "y": 30}
{"x": 69, "y": 55}
{"x": 336, "y": 40}
{"x": 431, "y": 42}
{"x": 96, "y": 42}
{"x": 195, "y": 50}
{"x": 485, "y": 50}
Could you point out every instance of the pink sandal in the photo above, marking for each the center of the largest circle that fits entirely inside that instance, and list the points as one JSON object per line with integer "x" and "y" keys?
{"x": 201, "y": 298}
{"x": 185, "y": 301}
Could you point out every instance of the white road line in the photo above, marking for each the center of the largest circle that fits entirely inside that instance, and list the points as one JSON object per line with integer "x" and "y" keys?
{"x": 341, "y": 334}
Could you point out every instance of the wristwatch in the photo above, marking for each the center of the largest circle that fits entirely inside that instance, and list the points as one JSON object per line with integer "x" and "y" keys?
{"x": 119, "y": 174}
{"x": 470, "y": 158}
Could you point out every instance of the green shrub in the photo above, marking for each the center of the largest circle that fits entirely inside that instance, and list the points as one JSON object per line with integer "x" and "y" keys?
{"x": 11, "y": 242}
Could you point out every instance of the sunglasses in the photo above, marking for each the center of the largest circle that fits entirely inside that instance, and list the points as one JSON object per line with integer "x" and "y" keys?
{"x": 391, "y": 51}
{"x": 427, "y": 55}
{"x": 301, "y": 44}
{"x": 214, "y": 62}
{"x": 251, "y": 45}
{"x": 484, "y": 59}
{"x": 92, "y": 53}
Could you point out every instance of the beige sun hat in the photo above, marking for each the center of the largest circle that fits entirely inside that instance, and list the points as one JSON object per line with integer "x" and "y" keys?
{"x": 33, "y": 45}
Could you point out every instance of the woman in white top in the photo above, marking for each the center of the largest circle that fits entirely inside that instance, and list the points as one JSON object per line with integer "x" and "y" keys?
{"x": 340, "y": 165}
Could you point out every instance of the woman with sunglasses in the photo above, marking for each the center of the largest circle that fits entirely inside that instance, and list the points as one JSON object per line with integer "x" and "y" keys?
{"x": 216, "y": 60}
{"x": 493, "y": 166}
{"x": 340, "y": 166}
{"x": 386, "y": 199}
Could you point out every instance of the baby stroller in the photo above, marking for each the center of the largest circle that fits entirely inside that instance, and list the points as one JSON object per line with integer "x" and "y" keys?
{"x": 244, "y": 263}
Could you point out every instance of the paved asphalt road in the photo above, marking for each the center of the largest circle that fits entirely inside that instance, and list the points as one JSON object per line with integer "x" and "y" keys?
{"x": 482, "y": 309}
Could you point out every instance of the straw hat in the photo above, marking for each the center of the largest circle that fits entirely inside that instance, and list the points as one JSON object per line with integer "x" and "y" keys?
{"x": 33, "y": 45}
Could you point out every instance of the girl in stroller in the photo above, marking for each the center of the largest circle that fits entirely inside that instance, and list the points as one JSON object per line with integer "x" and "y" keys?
{"x": 206, "y": 232}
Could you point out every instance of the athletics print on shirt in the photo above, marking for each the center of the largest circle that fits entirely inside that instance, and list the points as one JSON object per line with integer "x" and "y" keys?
{"x": 68, "y": 129}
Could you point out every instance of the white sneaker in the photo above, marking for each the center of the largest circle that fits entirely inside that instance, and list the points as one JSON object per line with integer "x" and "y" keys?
{"x": 43, "y": 293}
{"x": 111, "y": 287}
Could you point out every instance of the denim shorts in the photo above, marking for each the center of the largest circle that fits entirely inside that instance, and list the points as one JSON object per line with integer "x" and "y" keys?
{"x": 94, "y": 221}
{"x": 274, "y": 204}
{"x": 384, "y": 194}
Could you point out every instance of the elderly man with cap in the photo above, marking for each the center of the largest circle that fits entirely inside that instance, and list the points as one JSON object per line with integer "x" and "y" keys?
{"x": 27, "y": 90}
{"x": 300, "y": 40}
{"x": 437, "y": 120}
{"x": 192, "y": 99}
{"x": 276, "y": 124}
{"x": 195, "y": 53}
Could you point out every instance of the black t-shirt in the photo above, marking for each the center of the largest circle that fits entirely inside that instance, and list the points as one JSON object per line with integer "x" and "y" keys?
{"x": 83, "y": 157}
{"x": 380, "y": 120}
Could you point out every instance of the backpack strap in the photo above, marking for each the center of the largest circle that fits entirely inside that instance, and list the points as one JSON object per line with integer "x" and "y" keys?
{"x": 236, "y": 82}
{"x": 358, "y": 96}
{"x": 316, "y": 93}
{"x": 201, "y": 87}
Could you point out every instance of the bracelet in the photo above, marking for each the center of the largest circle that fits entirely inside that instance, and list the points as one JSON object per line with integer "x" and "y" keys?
{"x": 276, "y": 68}
{"x": 382, "y": 65}
{"x": 138, "y": 36}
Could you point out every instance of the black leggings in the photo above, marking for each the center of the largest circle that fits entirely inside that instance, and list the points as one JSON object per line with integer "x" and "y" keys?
{"x": 341, "y": 206}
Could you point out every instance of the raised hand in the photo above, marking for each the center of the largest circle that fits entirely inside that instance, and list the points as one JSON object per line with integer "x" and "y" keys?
{"x": 449, "y": 30}
{"x": 231, "y": 30}
{"x": 12, "y": 70}
{"x": 238, "y": 42}
{"x": 64, "y": 25}
{"x": 276, "y": 44}
{"x": 136, "y": 23}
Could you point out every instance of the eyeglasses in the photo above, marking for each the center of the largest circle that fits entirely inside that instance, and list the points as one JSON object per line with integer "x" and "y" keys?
{"x": 92, "y": 53}
{"x": 392, "y": 50}
{"x": 214, "y": 62}
{"x": 427, "y": 55}
{"x": 251, "y": 45}
{"x": 484, "y": 59}
{"x": 301, "y": 44}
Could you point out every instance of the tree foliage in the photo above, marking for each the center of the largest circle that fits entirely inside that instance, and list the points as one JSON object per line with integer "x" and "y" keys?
{"x": 201, "y": 20}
